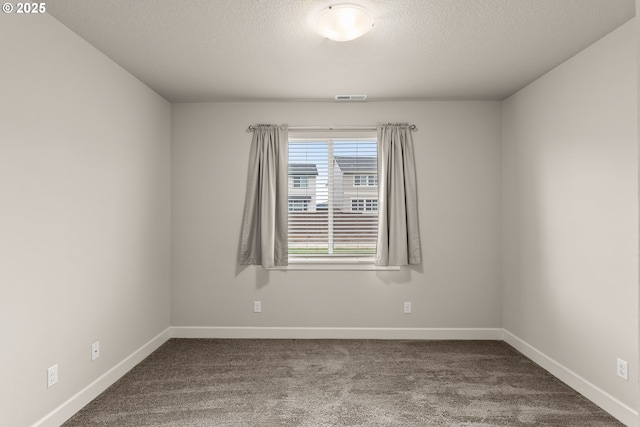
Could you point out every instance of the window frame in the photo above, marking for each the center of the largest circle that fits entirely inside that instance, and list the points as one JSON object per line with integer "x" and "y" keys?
{"x": 302, "y": 181}
{"x": 365, "y": 203}
{"x": 367, "y": 180}
{"x": 335, "y": 261}
{"x": 292, "y": 201}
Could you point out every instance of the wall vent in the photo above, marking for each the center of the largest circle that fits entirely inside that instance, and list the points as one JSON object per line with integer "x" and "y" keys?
{"x": 351, "y": 97}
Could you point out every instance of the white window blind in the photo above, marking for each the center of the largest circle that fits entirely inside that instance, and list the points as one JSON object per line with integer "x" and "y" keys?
{"x": 335, "y": 213}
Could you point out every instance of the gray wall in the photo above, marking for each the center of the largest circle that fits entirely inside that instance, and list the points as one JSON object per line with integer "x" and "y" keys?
{"x": 457, "y": 149}
{"x": 570, "y": 180}
{"x": 84, "y": 223}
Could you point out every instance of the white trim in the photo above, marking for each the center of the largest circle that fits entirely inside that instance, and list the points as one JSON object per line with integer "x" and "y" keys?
{"x": 333, "y": 263}
{"x": 248, "y": 332}
{"x": 76, "y": 402}
{"x": 613, "y": 406}
{"x": 329, "y": 266}
{"x": 331, "y": 259}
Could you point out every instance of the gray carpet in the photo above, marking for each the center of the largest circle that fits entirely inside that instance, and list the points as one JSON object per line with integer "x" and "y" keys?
{"x": 196, "y": 382}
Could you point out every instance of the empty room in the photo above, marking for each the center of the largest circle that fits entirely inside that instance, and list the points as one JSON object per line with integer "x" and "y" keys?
{"x": 316, "y": 213}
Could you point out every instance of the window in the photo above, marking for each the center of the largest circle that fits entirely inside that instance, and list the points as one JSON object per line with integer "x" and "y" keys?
{"x": 361, "y": 180}
{"x": 299, "y": 204}
{"x": 360, "y": 205}
{"x": 336, "y": 217}
{"x": 300, "y": 182}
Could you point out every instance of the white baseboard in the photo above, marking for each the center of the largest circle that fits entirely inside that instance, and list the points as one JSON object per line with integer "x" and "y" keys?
{"x": 613, "y": 406}
{"x": 76, "y": 402}
{"x": 338, "y": 333}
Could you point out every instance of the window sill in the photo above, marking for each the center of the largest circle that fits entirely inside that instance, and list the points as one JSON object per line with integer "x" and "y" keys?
{"x": 334, "y": 264}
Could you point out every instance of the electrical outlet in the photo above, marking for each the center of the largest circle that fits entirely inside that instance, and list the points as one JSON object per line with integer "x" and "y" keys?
{"x": 407, "y": 308}
{"x": 52, "y": 376}
{"x": 95, "y": 350}
{"x": 622, "y": 369}
{"x": 257, "y": 307}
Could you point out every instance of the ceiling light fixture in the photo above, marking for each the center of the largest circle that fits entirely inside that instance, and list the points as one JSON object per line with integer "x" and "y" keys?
{"x": 344, "y": 22}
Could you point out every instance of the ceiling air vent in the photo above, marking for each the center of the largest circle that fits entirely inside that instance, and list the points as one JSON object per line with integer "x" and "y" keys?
{"x": 351, "y": 97}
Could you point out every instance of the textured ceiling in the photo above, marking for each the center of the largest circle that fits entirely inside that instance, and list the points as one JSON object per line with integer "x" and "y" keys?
{"x": 206, "y": 50}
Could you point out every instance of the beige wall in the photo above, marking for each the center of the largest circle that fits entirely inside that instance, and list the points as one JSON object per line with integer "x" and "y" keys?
{"x": 457, "y": 149}
{"x": 570, "y": 181}
{"x": 84, "y": 223}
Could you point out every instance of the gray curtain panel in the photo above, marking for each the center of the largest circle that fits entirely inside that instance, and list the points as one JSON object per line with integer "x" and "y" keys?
{"x": 264, "y": 224}
{"x": 398, "y": 236}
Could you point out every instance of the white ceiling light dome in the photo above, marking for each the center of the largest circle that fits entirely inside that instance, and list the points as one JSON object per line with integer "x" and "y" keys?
{"x": 344, "y": 22}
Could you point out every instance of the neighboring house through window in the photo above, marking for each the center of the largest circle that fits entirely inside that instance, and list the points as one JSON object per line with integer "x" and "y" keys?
{"x": 302, "y": 187}
{"x": 362, "y": 171}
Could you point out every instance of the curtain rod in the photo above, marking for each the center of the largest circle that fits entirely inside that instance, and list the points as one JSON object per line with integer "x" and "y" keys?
{"x": 345, "y": 128}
